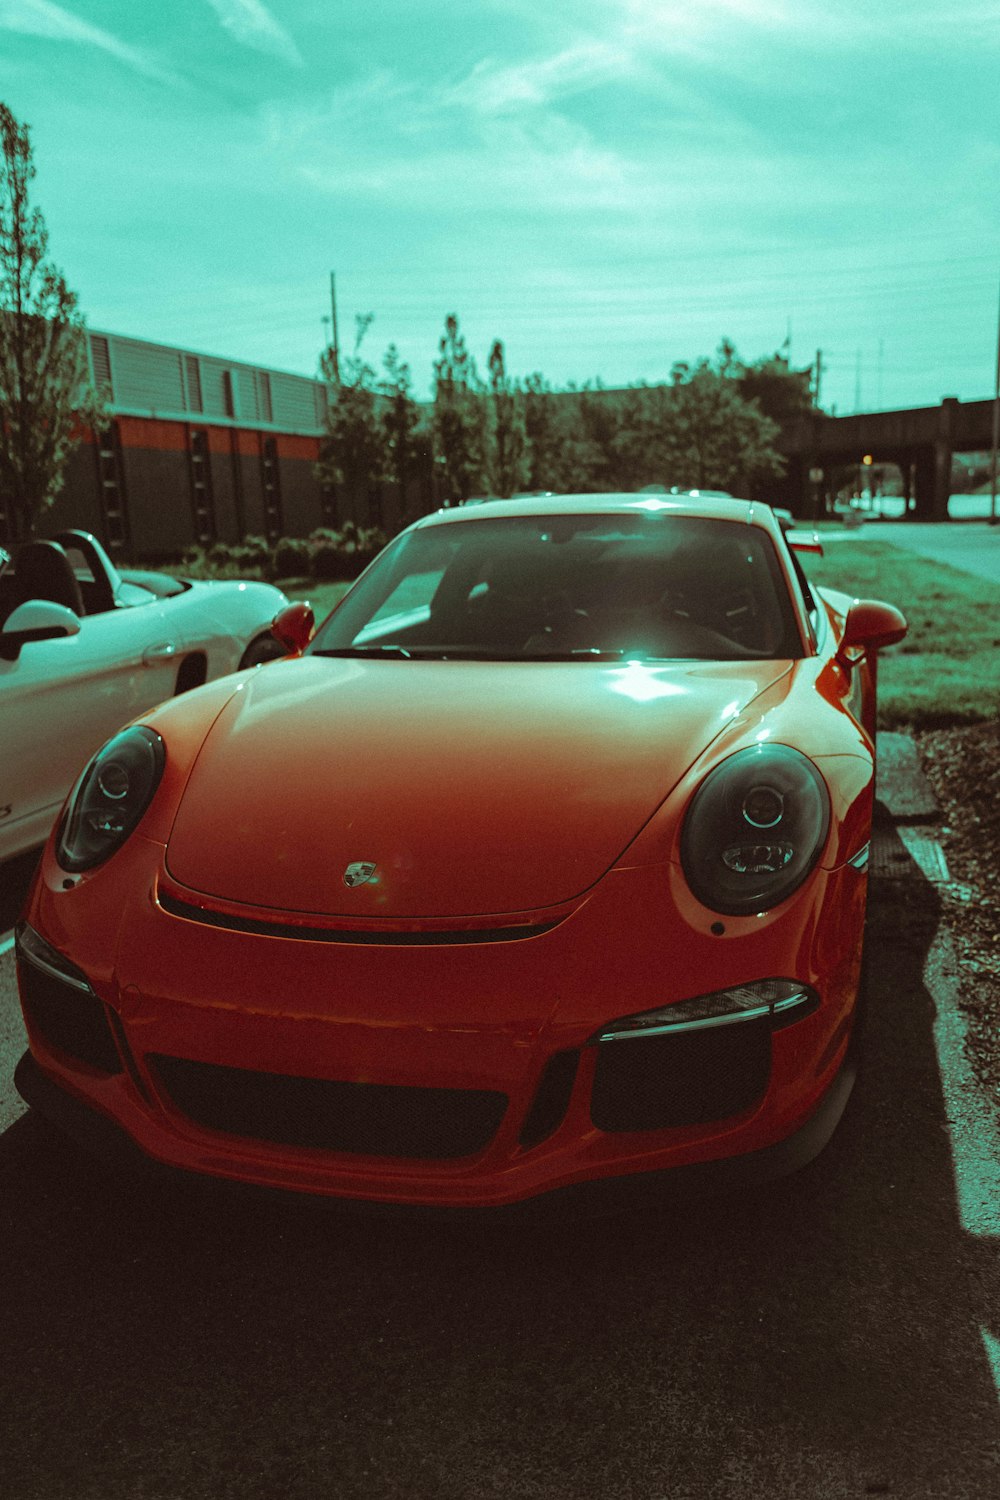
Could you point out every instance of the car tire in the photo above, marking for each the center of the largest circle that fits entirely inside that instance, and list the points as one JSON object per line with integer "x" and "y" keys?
{"x": 261, "y": 649}
{"x": 191, "y": 673}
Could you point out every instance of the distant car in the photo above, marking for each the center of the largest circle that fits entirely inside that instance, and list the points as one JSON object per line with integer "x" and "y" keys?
{"x": 84, "y": 648}
{"x": 542, "y": 862}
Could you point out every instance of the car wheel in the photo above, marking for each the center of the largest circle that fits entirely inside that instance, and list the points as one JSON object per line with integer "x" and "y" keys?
{"x": 191, "y": 673}
{"x": 261, "y": 649}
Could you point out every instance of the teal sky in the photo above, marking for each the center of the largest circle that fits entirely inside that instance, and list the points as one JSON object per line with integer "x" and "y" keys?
{"x": 607, "y": 185}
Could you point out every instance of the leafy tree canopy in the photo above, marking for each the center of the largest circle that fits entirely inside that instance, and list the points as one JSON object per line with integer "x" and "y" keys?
{"x": 780, "y": 391}
{"x": 46, "y": 394}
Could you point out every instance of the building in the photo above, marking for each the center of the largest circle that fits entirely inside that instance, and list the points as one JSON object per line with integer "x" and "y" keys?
{"x": 198, "y": 449}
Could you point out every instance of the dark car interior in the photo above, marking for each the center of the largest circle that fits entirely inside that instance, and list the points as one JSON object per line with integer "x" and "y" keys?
{"x": 544, "y": 587}
{"x": 72, "y": 569}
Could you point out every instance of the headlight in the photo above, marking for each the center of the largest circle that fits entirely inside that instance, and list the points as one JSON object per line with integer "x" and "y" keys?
{"x": 110, "y": 798}
{"x": 754, "y": 830}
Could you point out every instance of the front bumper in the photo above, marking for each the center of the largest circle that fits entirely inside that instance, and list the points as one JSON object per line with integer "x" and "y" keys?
{"x": 104, "y": 1139}
{"x": 235, "y": 1048}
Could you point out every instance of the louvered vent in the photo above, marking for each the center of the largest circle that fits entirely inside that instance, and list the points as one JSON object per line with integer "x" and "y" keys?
{"x": 265, "y": 409}
{"x": 193, "y": 374}
{"x": 100, "y": 356}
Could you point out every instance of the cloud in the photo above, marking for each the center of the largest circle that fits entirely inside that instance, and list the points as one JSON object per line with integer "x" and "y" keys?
{"x": 492, "y": 88}
{"x": 388, "y": 140}
{"x": 42, "y": 18}
{"x": 252, "y": 25}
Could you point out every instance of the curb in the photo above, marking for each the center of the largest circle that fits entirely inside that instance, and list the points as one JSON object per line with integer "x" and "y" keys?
{"x": 900, "y": 784}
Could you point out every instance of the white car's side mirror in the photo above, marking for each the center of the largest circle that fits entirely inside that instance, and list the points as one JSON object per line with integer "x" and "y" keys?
{"x": 35, "y": 620}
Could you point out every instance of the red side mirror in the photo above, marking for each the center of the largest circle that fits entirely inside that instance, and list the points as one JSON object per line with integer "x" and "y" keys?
{"x": 804, "y": 541}
{"x": 294, "y": 627}
{"x": 869, "y": 626}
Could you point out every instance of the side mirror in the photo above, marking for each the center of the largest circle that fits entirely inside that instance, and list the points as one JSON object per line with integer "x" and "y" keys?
{"x": 35, "y": 620}
{"x": 804, "y": 541}
{"x": 869, "y": 626}
{"x": 294, "y": 627}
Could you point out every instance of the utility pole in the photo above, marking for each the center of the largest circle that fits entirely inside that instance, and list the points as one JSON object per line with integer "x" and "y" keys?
{"x": 996, "y": 433}
{"x": 334, "y": 341}
{"x": 819, "y": 376}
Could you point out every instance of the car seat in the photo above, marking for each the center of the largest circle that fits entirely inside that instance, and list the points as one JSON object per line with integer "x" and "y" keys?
{"x": 43, "y": 571}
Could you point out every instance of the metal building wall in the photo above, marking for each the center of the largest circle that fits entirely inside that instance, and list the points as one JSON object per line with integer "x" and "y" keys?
{"x": 199, "y": 449}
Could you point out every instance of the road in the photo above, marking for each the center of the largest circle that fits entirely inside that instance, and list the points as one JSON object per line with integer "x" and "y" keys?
{"x": 831, "y": 1336}
{"x": 971, "y": 546}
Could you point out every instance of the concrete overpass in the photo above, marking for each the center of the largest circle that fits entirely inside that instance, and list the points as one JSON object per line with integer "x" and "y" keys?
{"x": 921, "y": 440}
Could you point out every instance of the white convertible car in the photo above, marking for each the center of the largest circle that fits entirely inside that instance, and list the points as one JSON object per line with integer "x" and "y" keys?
{"x": 84, "y": 648}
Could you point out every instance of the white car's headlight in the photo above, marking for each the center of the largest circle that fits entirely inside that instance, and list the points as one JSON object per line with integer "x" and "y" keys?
{"x": 755, "y": 828}
{"x": 110, "y": 798}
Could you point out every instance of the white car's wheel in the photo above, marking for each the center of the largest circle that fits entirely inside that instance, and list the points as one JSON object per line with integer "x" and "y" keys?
{"x": 261, "y": 649}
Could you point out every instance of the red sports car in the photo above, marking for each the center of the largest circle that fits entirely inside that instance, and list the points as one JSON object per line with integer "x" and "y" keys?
{"x": 542, "y": 862}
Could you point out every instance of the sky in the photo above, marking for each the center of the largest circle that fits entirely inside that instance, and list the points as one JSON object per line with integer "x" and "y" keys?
{"x": 607, "y": 186}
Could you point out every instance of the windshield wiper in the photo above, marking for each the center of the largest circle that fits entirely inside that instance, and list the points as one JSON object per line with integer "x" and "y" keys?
{"x": 477, "y": 653}
{"x": 394, "y": 651}
{"x": 422, "y": 653}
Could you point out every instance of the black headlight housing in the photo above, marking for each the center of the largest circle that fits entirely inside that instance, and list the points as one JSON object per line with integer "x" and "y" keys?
{"x": 110, "y": 798}
{"x": 754, "y": 830}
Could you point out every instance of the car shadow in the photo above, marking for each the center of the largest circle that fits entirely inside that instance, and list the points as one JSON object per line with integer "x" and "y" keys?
{"x": 822, "y": 1336}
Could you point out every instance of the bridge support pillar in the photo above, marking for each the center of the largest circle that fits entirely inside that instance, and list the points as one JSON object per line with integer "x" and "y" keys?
{"x": 933, "y": 469}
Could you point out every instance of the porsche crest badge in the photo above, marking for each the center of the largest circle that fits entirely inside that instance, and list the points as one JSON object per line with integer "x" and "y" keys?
{"x": 359, "y": 873}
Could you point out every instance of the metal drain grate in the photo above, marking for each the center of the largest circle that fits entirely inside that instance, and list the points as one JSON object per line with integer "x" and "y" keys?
{"x": 907, "y": 853}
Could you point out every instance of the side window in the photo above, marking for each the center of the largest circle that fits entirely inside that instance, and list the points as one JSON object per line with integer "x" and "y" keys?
{"x": 816, "y": 615}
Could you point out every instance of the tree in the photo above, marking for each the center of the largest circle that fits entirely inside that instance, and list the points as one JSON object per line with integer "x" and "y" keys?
{"x": 541, "y": 430}
{"x": 404, "y": 446}
{"x": 46, "y": 394}
{"x": 508, "y": 465}
{"x": 714, "y": 439}
{"x": 352, "y": 454}
{"x": 458, "y": 423}
{"x": 781, "y": 392}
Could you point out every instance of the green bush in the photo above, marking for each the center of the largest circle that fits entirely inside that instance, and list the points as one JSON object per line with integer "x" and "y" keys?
{"x": 344, "y": 553}
{"x": 250, "y": 558}
{"x": 327, "y": 555}
{"x": 292, "y": 557}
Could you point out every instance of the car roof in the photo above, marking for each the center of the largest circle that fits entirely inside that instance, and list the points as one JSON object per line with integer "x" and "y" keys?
{"x": 615, "y": 503}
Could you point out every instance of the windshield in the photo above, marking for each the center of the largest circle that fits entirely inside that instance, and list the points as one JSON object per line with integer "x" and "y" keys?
{"x": 571, "y": 587}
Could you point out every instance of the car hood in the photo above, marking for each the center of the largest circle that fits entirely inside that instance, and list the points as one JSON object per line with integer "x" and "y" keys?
{"x": 473, "y": 787}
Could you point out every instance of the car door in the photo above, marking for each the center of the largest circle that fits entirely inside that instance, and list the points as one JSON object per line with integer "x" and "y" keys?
{"x": 62, "y": 698}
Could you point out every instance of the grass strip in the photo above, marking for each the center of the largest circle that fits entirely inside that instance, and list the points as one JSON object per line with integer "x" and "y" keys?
{"x": 947, "y": 671}
{"x": 322, "y": 596}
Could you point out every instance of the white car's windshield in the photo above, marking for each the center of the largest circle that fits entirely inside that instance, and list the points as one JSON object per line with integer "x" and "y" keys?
{"x": 571, "y": 587}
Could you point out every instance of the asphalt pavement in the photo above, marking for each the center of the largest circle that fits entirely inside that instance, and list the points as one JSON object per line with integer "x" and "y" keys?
{"x": 967, "y": 540}
{"x": 971, "y": 546}
{"x": 833, "y": 1335}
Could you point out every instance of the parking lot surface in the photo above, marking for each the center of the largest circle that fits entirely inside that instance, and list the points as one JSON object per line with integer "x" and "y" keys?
{"x": 835, "y": 1334}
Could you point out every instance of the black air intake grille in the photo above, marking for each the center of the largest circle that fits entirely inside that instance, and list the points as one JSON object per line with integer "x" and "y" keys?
{"x": 364, "y": 1118}
{"x": 69, "y": 1019}
{"x": 659, "y": 1082}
